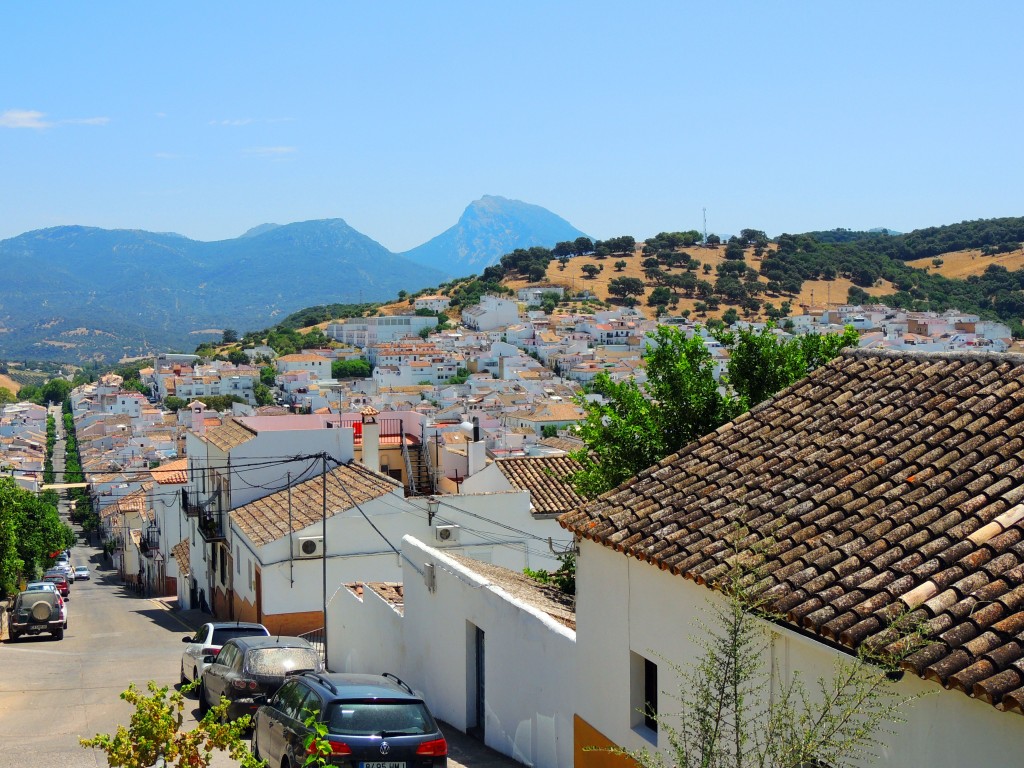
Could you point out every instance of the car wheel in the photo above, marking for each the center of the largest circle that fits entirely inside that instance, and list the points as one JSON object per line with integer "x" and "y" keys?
{"x": 183, "y": 680}
{"x": 65, "y": 625}
{"x": 203, "y": 706}
{"x": 58, "y": 634}
{"x": 14, "y": 637}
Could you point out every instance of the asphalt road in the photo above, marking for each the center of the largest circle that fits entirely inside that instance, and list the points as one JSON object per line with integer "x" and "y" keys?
{"x": 52, "y": 693}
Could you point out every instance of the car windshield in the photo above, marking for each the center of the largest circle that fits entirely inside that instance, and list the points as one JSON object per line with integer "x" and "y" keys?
{"x": 222, "y": 634}
{"x": 366, "y": 718}
{"x": 278, "y": 661}
{"x": 81, "y": 569}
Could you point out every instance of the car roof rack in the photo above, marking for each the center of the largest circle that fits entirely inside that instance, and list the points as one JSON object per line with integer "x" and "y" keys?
{"x": 397, "y": 679}
{"x": 322, "y": 680}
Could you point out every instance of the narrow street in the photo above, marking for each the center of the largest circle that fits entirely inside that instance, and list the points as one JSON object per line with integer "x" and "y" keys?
{"x": 52, "y": 693}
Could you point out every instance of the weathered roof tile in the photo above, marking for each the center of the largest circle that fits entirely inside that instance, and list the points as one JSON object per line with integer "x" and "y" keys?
{"x": 879, "y": 494}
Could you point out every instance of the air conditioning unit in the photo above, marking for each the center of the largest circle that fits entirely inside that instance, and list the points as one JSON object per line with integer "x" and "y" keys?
{"x": 446, "y": 534}
{"x": 308, "y": 546}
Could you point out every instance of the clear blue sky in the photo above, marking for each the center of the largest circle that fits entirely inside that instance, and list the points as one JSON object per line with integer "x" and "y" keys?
{"x": 624, "y": 118}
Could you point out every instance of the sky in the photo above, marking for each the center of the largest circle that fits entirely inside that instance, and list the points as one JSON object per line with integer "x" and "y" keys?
{"x": 208, "y": 119}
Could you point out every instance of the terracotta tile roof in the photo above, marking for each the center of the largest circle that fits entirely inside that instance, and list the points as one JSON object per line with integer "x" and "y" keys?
{"x": 567, "y": 444}
{"x": 545, "y": 478}
{"x": 884, "y": 492}
{"x": 266, "y": 520}
{"x": 555, "y": 603}
{"x": 392, "y": 592}
{"x": 228, "y": 435}
{"x": 180, "y": 551}
{"x": 172, "y": 472}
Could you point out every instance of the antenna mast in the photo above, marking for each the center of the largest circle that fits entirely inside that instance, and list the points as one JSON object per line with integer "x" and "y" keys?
{"x": 705, "y": 210}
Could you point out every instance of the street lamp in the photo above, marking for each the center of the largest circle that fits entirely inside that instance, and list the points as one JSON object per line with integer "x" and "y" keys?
{"x": 432, "y": 506}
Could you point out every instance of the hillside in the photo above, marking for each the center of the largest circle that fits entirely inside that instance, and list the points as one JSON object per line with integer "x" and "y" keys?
{"x": 959, "y": 265}
{"x": 83, "y": 293}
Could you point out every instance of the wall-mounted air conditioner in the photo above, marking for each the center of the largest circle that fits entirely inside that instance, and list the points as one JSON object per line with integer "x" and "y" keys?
{"x": 446, "y": 534}
{"x": 308, "y": 546}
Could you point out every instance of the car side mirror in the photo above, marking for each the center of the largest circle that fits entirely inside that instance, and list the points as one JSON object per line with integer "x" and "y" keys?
{"x": 209, "y": 659}
{"x": 186, "y": 639}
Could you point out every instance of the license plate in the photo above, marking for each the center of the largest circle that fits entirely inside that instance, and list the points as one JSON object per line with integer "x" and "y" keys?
{"x": 382, "y": 765}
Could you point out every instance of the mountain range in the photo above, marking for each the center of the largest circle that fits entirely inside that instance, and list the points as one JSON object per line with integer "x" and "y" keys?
{"x": 76, "y": 293}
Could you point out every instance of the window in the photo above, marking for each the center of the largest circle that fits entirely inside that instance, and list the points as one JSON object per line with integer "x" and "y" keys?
{"x": 651, "y": 695}
{"x": 643, "y": 696}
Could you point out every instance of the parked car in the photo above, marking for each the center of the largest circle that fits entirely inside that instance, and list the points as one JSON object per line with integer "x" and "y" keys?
{"x": 49, "y": 586}
{"x": 62, "y": 566}
{"x": 371, "y": 720}
{"x": 249, "y": 669}
{"x": 82, "y": 573}
{"x": 208, "y": 641}
{"x": 61, "y": 581}
{"x": 34, "y": 613}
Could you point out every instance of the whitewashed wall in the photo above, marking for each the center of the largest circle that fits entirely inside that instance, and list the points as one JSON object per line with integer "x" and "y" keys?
{"x": 528, "y": 659}
{"x": 365, "y": 634}
{"x": 624, "y": 605}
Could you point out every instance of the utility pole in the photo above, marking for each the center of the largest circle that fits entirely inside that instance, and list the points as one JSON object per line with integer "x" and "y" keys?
{"x": 705, "y": 210}
{"x": 323, "y": 535}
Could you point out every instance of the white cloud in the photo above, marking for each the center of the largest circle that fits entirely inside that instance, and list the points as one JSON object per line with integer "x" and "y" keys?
{"x": 268, "y": 151}
{"x": 28, "y": 118}
{"x": 87, "y": 120}
{"x": 23, "y": 118}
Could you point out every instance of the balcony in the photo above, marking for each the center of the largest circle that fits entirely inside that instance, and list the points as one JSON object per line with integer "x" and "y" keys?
{"x": 212, "y": 525}
{"x": 150, "y": 542}
{"x": 190, "y": 504}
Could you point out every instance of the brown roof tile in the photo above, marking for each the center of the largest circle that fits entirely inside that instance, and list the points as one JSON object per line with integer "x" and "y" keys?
{"x": 881, "y": 494}
{"x": 546, "y": 478}
{"x": 266, "y": 520}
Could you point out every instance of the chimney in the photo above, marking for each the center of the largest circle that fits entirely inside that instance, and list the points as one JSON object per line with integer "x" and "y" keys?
{"x": 198, "y": 417}
{"x": 371, "y": 438}
{"x": 476, "y": 451}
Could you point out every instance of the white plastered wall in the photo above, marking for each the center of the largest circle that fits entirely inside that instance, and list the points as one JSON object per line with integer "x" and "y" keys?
{"x": 625, "y": 605}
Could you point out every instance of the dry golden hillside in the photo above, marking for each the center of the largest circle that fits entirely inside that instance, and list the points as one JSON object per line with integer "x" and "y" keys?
{"x": 814, "y": 294}
{"x": 959, "y": 265}
{"x": 8, "y": 383}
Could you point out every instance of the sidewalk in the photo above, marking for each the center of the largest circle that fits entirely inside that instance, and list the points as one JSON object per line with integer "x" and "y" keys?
{"x": 463, "y": 751}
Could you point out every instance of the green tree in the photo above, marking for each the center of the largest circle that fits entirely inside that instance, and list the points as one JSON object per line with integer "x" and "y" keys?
{"x": 619, "y": 265}
{"x": 6, "y": 396}
{"x": 229, "y": 336}
{"x": 761, "y": 364}
{"x": 591, "y": 270}
{"x": 730, "y": 316}
{"x": 582, "y": 246}
{"x": 155, "y": 731}
{"x": 55, "y": 391}
{"x": 633, "y": 427}
{"x": 10, "y": 563}
{"x": 350, "y": 369}
{"x": 263, "y": 394}
{"x": 626, "y": 286}
{"x": 267, "y": 375}
{"x": 660, "y": 296}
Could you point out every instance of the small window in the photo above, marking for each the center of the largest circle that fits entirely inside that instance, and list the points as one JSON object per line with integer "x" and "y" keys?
{"x": 643, "y": 696}
{"x": 651, "y": 695}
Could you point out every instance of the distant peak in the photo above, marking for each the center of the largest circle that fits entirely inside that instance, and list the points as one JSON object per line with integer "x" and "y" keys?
{"x": 260, "y": 229}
